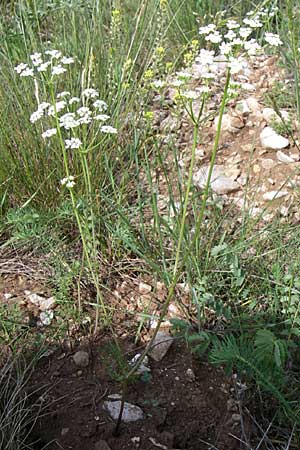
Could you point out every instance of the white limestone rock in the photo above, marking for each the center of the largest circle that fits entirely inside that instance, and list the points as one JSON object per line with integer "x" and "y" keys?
{"x": 270, "y": 139}
{"x": 131, "y": 413}
{"x": 220, "y": 183}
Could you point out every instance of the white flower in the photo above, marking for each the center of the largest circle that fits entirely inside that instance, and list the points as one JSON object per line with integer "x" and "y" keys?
{"x": 190, "y": 95}
{"x": 90, "y": 93}
{"x": 44, "y": 66}
{"x": 68, "y": 121}
{"x": 53, "y": 53}
{"x": 184, "y": 75}
{"x": 59, "y": 106}
{"x": 215, "y": 37}
{"x": 36, "y": 59}
{"x": 44, "y": 105}
{"x": 102, "y": 117}
{"x": 230, "y": 35}
{"x": 158, "y": 84}
{"x": 207, "y": 29}
{"x": 100, "y": 104}
{"x": 208, "y": 75}
{"x": 73, "y": 143}
{"x": 85, "y": 119}
{"x": 177, "y": 83}
{"x": 206, "y": 57}
{"x": 67, "y": 60}
{"x": 203, "y": 89}
{"x": 236, "y": 64}
{"x": 74, "y": 100}
{"x": 68, "y": 181}
{"x": 83, "y": 111}
{"x": 21, "y": 67}
{"x": 273, "y": 39}
{"x": 245, "y": 32}
{"x": 27, "y": 73}
{"x": 49, "y": 133}
{"x": 231, "y": 24}
{"x": 36, "y": 115}
{"x": 225, "y": 48}
{"x": 253, "y": 23}
{"x": 252, "y": 47}
{"x": 57, "y": 70}
{"x": 108, "y": 129}
{"x": 63, "y": 94}
{"x": 237, "y": 41}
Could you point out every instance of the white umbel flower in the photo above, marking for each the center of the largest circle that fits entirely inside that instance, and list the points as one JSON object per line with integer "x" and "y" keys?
{"x": 68, "y": 182}
{"x": 207, "y": 29}
{"x": 44, "y": 66}
{"x": 36, "y": 59}
{"x": 36, "y": 115}
{"x": 273, "y": 39}
{"x": 27, "y": 72}
{"x": 108, "y": 129}
{"x": 67, "y": 60}
{"x": 57, "y": 70}
{"x": 53, "y": 53}
{"x": 90, "y": 93}
{"x": 19, "y": 68}
{"x": 49, "y": 133}
{"x": 73, "y": 143}
{"x": 101, "y": 105}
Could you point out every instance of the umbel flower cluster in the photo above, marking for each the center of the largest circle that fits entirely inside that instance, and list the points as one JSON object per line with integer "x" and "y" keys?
{"x": 228, "y": 46}
{"x": 65, "y": 113}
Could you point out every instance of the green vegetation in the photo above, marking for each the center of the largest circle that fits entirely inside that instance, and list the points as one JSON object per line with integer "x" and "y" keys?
{"x": 84, "y": 199}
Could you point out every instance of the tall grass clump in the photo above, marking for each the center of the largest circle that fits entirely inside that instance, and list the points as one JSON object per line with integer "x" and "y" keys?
{"x": 19, "y": 409}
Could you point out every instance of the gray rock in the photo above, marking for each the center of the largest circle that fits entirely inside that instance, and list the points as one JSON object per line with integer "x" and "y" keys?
{"x": 270, "y": 115}
{"x": 160, "y": 346}
{"x": 229, "y": 123}
{"x": 272, "y": 195}
{"x": 144, "y": 288}
{"x": 254, "y": 106}
{"x": 41, "y": 302}
{"x": 243, "y": 108}
{"x": 143, "y": 367}
{"x": 102, "y": 445}
{"x": 270, "y": 139}
{"x": 268, "y": 163}
{"x": 81, "y": 358}
{"x": 190, "y": 375}
{"x": 282, "y": 157}
{"x": 220, "y": 183}
{"x": 131, "y": 413}
{"x": 46, "y": 317}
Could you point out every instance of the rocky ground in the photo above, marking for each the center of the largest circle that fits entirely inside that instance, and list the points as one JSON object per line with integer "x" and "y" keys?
{"x": 180, "y": 404}
{"x": 257, "y": 169}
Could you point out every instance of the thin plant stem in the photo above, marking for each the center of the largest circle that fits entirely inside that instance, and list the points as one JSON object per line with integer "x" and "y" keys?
{"x": 212, "y": 162}
{"x": 100, "y": 301}
{"x": 176, "y": 275}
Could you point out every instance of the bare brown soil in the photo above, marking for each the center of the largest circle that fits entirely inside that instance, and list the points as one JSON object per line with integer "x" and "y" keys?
{"x": 180, "y": 413}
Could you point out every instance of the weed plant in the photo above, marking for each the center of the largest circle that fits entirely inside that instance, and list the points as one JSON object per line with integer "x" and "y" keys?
{"x": 70, "y": 174}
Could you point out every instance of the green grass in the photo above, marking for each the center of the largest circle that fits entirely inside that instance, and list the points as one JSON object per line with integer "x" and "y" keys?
{"x": 246, "y": 275}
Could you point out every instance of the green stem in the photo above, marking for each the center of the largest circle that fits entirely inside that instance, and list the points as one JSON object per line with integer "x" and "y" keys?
{"x": 212, "y": 163}
{"x": 79, "y": 224}
{"x": 171, "y": 290}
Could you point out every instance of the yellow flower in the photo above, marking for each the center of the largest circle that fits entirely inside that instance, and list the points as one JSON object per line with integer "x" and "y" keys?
{"x": 160, "y": 51}
{"x": 148, "y": 74}
{"x": 149, "y": 115}
{"x": 115, "y": 13}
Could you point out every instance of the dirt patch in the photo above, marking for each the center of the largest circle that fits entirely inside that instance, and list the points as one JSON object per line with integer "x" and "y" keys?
{"x": 180, "y": 413}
